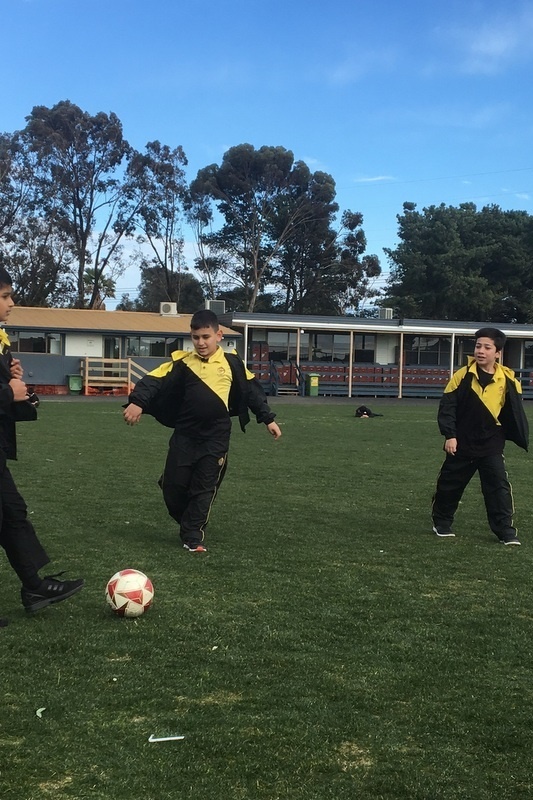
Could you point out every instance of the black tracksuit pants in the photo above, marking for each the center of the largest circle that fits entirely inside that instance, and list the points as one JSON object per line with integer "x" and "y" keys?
{"x": 456, "y": 473}
{"x": 193, "y": 472}
{"x": 17, "y": 535}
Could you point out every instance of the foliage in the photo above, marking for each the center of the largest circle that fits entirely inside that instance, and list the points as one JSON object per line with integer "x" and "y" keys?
{"x": 157, "y": 179}
{"x": 157, "y": 284}
{"x": 463, "y": 263}
{"x": 276, "y": 230}
{"x": 327, "y": 647}
{"x": 79, "y": 158}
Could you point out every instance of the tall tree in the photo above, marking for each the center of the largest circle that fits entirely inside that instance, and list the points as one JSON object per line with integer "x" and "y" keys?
{"x": 157, "y": 181}
{"x": 324, "y": 271}
{"x": 154, "y": 284}
{"x": 82, "y": 160}
{"x": 253, "y": 190}
{"x": 461, "y": 263}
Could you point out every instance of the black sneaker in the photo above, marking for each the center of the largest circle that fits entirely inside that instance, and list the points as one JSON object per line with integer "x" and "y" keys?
{"x": 443, "y": 532}
{"x": 195, "y": 547}
{"x": 50, "y": 591}
{"x": 510, "y": 539}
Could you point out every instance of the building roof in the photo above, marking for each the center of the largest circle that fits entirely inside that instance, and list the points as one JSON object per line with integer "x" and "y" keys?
{"x": 93, "y": 321}
{"x": 420, "y": 327}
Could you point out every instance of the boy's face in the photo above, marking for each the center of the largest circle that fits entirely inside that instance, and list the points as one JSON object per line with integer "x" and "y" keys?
{"x": 485, "y": 353}
{"x": 205, "y": 341}
{"x": 6, "y": 302}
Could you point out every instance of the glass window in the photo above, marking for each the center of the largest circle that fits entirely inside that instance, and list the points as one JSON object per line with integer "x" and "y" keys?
{"x": 278, "y": 344}
{"x": 148, "y": 346}
{"x": 364, "y": 348}
{"x": 31, "y": 342}
{"x": 427, "y": 350}
{"x": 323, "y": 348}
{"x": 54, "y": 344}
{"x": 341, "y": 347}
{"x": 528, "y": 354}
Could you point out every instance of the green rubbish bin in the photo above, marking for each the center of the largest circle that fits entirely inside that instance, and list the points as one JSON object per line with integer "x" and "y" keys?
{"x": 311, "y": 384}
{"x": 75, "y": 384}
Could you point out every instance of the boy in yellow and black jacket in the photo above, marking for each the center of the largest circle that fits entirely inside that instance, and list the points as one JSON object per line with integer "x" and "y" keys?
{"x": 480, "y": 409}
{"x": 196, "y": 394}
{"x": 18, "y": 538}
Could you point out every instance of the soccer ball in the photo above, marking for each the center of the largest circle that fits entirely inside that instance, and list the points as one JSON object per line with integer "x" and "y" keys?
{"x": 129, "y": 593}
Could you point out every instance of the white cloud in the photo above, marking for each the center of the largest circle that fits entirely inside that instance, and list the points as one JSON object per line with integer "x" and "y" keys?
{"x": 496, "y": 43}
{"x": 374, "y": 179}
{"x": 353, "y": 67}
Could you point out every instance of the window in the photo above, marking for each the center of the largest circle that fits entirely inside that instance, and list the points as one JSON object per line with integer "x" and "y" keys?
{"x": 364, "y": 348}
{"x": 427, "y": 350}
{"x": 28, "y": 341}
{"x": 528, "y": 354}
{"x": 278, "y": 344}
{"x": 143, "y": 346}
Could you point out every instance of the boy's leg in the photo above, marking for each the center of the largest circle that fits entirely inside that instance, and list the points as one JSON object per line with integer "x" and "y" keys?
{"x": 17, "y": 535}
{"x": 25, "y": 552}
{"x": 176, "y": 476}
{"x": 498, "y": 496}
{"x": 207, "y": 475}
{"x": 454, "y": 476}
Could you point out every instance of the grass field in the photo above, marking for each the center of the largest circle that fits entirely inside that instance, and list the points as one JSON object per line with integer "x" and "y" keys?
{"x": 327, "y": 646}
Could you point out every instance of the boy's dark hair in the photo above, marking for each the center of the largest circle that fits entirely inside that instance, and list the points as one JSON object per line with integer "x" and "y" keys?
{"x": 204, "y": 319}
{"x": 5, "y": 278}
{"x": 497, "y": 336}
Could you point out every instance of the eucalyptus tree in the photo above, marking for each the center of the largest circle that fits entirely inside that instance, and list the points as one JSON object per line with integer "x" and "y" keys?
{"x": 82, "y": 161}
{"x": 263, "y": 197}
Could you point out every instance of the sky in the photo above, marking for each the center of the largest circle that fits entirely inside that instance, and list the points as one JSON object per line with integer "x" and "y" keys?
{"x": 399, "y": 100}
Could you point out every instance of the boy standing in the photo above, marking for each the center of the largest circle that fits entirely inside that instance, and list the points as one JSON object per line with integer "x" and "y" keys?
{"x": 17, "y": 535}
{"x": 480, "y": 409}
{"x": 196, "y": 393}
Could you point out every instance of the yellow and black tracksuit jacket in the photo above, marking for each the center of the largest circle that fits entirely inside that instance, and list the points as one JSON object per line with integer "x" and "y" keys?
{"x": 482, "y": 418}
{"x": 198, "y": 396}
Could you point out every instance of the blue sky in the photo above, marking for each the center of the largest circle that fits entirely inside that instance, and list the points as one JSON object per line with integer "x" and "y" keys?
{"x": 399, "y": 100}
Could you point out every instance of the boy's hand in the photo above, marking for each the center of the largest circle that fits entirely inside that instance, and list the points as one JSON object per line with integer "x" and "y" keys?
{"x": 274, "y": 430}
{"x": 450, "y": 446}
{"x": 132, "y": 414}
{"x": 16, "y": 368}
{"x": 19, "y": 389}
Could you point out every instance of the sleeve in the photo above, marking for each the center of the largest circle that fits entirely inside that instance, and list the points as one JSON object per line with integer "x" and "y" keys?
{"x": 6, "y": 392}
{"x": 447, "y": 413}
{"x": 149, "y": 387}
{"x": 256, "y": 400}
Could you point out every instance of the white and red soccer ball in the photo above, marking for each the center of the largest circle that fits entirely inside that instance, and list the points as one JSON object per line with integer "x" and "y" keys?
{"x": 129, "y": 593}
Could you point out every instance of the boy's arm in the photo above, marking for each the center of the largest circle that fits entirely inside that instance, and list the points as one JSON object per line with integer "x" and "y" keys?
{"x": 257, "y": 403}
{"x": 144, "y": 392}
{"x": 447, "y": 414}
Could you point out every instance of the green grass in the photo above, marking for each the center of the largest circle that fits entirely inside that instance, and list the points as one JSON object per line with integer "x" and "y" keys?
{"x": 327, "y": 646}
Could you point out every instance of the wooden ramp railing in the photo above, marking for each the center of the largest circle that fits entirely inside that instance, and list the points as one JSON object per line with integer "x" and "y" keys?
{"x": 109, "y": 374}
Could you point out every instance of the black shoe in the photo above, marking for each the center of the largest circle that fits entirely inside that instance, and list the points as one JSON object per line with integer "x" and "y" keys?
{"x": 442, "y": 532}
{"x": 510, "y": 539}
{"x": 50, "y": 591}
{"x": 195, "y": 547}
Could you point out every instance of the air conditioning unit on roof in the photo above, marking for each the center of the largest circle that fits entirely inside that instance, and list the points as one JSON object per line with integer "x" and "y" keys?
{"x": 218, "y": 307}
{"x": 385, "y": 313}
{"x": 168, "y": 309}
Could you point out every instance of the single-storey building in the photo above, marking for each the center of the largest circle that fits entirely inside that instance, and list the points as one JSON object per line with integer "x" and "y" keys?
{"x": 96, "y": 351}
